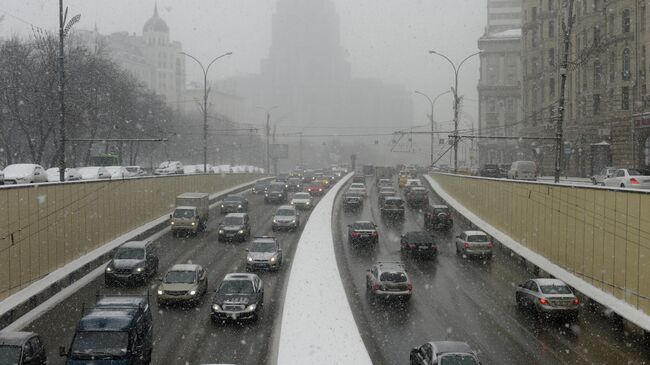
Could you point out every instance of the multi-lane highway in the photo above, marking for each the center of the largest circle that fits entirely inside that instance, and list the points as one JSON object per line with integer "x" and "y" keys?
{"x": 465, "y": 300}
{"x": 187, "y": 336}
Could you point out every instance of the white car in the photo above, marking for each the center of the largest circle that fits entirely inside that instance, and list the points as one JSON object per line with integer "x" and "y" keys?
{"x": 24, "y": 173}
{"x": 523, "y": 170}
{"x": 94, "y": 173}
{"x": 169, "y": 168}
{"x": 626, "y": 178}
{"x": 135, "y": 171}
{"x": 117, "y": 172}
{"x": 196, "y": 169}
{"x": 599, "y": 178}
{"x": 358, "y": 188}
{"x": 70, "y": 174}
{"x": 302, "y": 201}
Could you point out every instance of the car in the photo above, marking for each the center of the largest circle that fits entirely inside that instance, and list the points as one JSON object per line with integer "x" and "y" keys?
{"x": 352, "y": 201}
{"x": 360, "y": 188}
{"x": 628, "y": 178}
{"x": 22, "y": 348}
{"x": 94, "y": 173}
{"x": 132, "y": 262}
{"x": 490, "y": 170}
{"x": 240, "y": 296}
{"x": 315, "y": 188}
{"x": 117, "y": 328}
{"x": 302, "y": 201}
{"x": 276, "y": 193}
{"x": 295, "y": 184}
{"x": 474, "y": 243}
{"x": 359, "y": 179}
{"x": 71, "y": 174}
{"x": 604, "y": 173}
{"x": 384, "y": 183}
{"x": 410, "y": 183}
{"x": 286, "y": 217}
{"x": 444, "y": 352}
{"x": 388, "y": 280}
{"x": 261, "y": 186}
{"x": 234, "y": 204}
{"x": 265, "y": 252}
{"x": 282, "y": 179}
{"x": 418, "y": 243}
{"x": 417, "y": 196}
{"x": 135, "y": 171}
{"x": 24, "y": 173}
{"x": 523, "y": 170}
{"x": 392, "y": 207}
{"x": 438, "y": 217}
{"x": 169, "y": 168}
{"x": 384, "y": 192}
{"x": 2, "y": 177}
{"x": 235, "y": 226}
{"x": 363, "y": 232}
{"x": 307, "y": 177}
{"x": 182, "y": 284}
{"x": 117, "y": 172}
{"x": 548, "y": 297}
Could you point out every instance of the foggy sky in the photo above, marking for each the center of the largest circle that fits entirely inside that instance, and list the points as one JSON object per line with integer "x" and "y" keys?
{"x": 385, "y": 39}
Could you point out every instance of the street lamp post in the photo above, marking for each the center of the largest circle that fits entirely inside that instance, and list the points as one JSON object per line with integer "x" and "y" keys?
{"x": 205, "y": 104}
{"x": 431, "y": 119}
{"x": 268, "y": 132}
{"x": 456, "y": 99}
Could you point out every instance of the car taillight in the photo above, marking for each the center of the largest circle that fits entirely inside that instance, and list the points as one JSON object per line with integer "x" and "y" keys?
{"x": 543, "y": 301}
{"x": 466, "y": 245}
{"x": 576, "y": 301}
{"x": 489, "y": 244}
{"x": 374, "y": 234}
{"x": 634, "y": 181}
{"x": 409, "y": 287}
{"x": 375, "y": 287}
{"x": 356, "y": 234}
{"x": 411, "y": 245}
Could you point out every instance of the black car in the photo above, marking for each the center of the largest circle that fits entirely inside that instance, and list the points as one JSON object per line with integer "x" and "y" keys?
{"x": 277, "y": 193}
{"x": 392, "y": 207}
{"x": 418, "y": 243}
{"x": 234, "y": 204}
{"x": 22, "y": 348}
{"x": 282, "y": 179}
{"x": 240, "y": 296}
{"x": 260, "y": 187}
{"x": 444, "y": 352}
{"x": 417, "y": 196}
{"x": 294, "y": 184}
{"x": 352, "y": 201}
{"x": 490, "y": 170}
{"x": 358, "y": 179}
{"x": 363, "y": 232}
{"x": 438, "y": 217}
{"x": 118, "y": 329}
{"x": 235, "y": 226}
{"x": 133, "y": 262}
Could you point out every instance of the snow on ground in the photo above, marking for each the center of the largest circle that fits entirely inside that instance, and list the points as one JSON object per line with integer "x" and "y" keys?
{"x": 317, "y": 322}
{"x": 624, "y": 309}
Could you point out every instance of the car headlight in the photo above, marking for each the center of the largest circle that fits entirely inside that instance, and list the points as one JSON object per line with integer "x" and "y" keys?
{"x": 160, "y": 292}
{"x": 251, "y": 307}
{"x": 249, "y": 259}
{"x": 109, "y": 269}
{"x": 192, "y": 292}
{"x": 273, "y": 259}
{"x": 281, "y": 195}
{"x": 221, "y": 231}
{"x": 239, "y": 206}
{"x": 275, "y": 220}
{"x": 222, "y": 205}
{"x": 266, "y": 194}
{"x": 216, "y": 307}
{"x": 172, "y": 223}
{"x": 293, "y": 220}
{"x": 193, "y": 223}
{"x": 139, "y": 269}
{"x": 241, "y": 231}
{"x": 307, "y": 203}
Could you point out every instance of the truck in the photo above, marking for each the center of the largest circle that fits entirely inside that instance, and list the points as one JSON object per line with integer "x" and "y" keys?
{"x": 383, "y": 172}
{"x": 191, "y": 213}
{"x": 368, "y": 170}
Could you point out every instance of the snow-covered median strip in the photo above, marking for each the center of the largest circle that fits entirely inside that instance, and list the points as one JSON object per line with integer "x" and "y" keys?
{"x": 622, "y": 308}
{"x": 317, "y": 322}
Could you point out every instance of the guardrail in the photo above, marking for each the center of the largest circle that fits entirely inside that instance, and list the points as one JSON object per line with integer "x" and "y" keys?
{"x": 317, "y": 322}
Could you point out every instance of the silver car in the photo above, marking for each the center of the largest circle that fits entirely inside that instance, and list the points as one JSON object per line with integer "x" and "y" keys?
{"x": 548, "y": 297}
{"x": 286, "y": 217}
{"x": 264, "y": 253}
{"x": 474, "y": 243}
{"x": 183, "y": 283}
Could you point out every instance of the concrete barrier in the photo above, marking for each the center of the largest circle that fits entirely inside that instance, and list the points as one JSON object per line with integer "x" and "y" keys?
{"x": 317, "y": 322}
{"x": 595, "y": 239}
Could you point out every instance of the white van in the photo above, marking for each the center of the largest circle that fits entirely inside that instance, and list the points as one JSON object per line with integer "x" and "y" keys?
{"x": 523, "y": 170}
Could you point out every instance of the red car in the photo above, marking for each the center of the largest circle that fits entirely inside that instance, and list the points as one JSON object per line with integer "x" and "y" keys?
{"x": 315, "y": 188}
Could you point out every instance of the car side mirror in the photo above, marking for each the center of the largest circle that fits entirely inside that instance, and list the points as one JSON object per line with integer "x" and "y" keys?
{"x": 160, "y": 278}
{"x": 170, "y": 216}
{"x": 457, "y": 236}
{"x": 247, "y": 250}
{"x": 62, "y": 351}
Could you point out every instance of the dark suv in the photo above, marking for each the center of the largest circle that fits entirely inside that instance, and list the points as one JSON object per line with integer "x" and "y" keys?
{"x": 444, "y": 352}
{"x": 417, "y": 197}
{"x": 134, "y": 261}
{"x": 260, "y": 187}
{"x": 235, "y": 226}
{"x": 240, "y": 296}
{"x": 295, "y": 184}
{"x": 234, "y": 204}
{"x": 490, "y": 170}
{"x": 388, "y": 280}
{"x": 277, "y": 193}
{"x": 418, "y": 244}
{"x": 392, "y": 207}
{"x": 352, "y": 201}
{"x": 22, "y": 348}
{"x": 438, "y": 217}
{"x": 363, "y": 232}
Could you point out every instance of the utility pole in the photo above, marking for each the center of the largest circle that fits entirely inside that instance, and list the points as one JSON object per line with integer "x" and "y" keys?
{"x": 61, "y": 95}
{"x": 301, "y": 161}
{"x": 432, "y": 120}
{"x": 268, "y": 132}
{"x": 567, "y": 26}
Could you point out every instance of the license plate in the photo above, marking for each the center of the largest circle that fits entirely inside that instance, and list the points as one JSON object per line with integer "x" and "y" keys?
{"x": 233, "y": 316}
{"x": 423, "y": 248}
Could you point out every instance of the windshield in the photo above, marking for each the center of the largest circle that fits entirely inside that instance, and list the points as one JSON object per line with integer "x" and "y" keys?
{"x": 260, "y": 246}
{"x": 100, "y": 343}
{"x": 302, "y": 196}
{"x": 276, "y": 188}
{"x": 260, "y": 184}
{"x": 638, "y": 172}
{"x": 129, "y": 253}
{"x": 236, "y": 287}
{"x": 393, "y": 277}
{"x": 526, "y": 166}
{"x": 394, "y": 202}
{"x": 233, "y": 221}
{"x": 9, "y": 355}
{"x": 184, "y": 213}
{"x": 233, "y": 199}
{"x": 458, "y": 359}
{"x": 362, "y": 226}
{"x": 477, "y": 238}
{"x": 555, "y": 289}
{"x": 440, "y": 210}
{"x": 285, "y": 212}
{"x": 178, "y": 277}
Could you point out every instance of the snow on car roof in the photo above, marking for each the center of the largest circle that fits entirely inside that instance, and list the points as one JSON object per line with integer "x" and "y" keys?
{"x": 20, "y": 169}
{"x": 184, "y": 267}
{"x": 549, "y": 281}
{"x": 475, "y": 233}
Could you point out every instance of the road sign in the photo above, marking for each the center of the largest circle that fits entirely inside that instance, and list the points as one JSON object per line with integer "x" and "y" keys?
{"x": 279, "y": 151}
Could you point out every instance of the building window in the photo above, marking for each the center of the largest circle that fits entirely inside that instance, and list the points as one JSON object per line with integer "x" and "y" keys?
{"x": 610, "y": 99}
{"x": 551, "y": 56}
{"x": 598, "y": 70}
{"x": 510, "y": 105}
{"x": 627, "y": 21}
{"x": 596, "y": 35}
{"x": 596, "y": 99}
{"x": 585, "y": 81}
{"x": 492, "y": 106}
{"x": 612, "y": 67}
{"x": 584, "y": 7}
{"x": 625, "y": 98}
{"x": 550, "y": 5}
{"x": 610, "y": 24}
{"x": 626, "y": 64}
{"x": 551, "y": 29}
{"x": 551, "y": 87}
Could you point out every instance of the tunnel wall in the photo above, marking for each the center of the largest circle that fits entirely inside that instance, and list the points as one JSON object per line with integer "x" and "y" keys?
{"x": 45, "y": 226}
{"x": 598, "y": 234}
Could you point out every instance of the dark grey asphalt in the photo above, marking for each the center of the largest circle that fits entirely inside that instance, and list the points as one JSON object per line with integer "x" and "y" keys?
{"x": 187, "y": 336}
{"x": 466, "y": 300}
